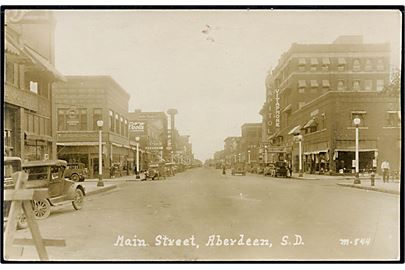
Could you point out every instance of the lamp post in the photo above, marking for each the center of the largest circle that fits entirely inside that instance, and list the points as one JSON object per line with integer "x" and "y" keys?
{"x": 299, "y": 137}
{"x": 100, "y": 183}
{"x": 356, "y": 122}
{"x": 265, "y": 154}
{"x": 137, "y": 158}
{"x": 239, "y": 157}
{"x": 249, "y": 157}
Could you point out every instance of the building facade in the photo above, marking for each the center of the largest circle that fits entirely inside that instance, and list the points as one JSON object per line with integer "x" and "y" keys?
{"x": 29, "y": 74}
{"x": 79, "y": 103}
{"x": 250, "y": 143}
{"x": 316, "y": 90}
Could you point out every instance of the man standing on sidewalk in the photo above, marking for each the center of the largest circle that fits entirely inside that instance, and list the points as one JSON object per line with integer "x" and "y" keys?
{"x": 385, "y": 168}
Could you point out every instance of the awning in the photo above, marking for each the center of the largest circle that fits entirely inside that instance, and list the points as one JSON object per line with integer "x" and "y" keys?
{"x": 325, "y": 61}
{"x": 310, "y": 123}
{"x": 302, "y": 83}
{"x": 302, "y": 61}
{"x": 314, "y": 61}
{"x": 353, "y": 150}
{"x": 316, "y": 152}
{"x": 36, "y": 58}
{"x": 314, "y": 83}
{"x": 294, "y": 130}
{"x": 325, "y": 83}
{"x": 79, "y": 144}
{"x": 341, "y": 61}
{"x": 287, "y": 108}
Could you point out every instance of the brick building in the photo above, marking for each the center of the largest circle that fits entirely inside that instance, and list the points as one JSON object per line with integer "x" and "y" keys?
{"x": 29, "y": 74}
{"x": 78, "y": 104}
{"x": 317, "y": 89}
{"x": 250, "y": 142}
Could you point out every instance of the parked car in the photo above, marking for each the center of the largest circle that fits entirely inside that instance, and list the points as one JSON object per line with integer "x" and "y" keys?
{"x": 11, "y": 165}
{"x": 279, "y": 168}
{"x": 76, "y": 172}
{"x": 170, "y": 169}
{"x": 238, "y": 169}
{"x": 50, "y": 174}
{"x": 156, "y": 171}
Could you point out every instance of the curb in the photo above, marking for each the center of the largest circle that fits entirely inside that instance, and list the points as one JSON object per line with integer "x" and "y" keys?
{"x": 396, "y": 192}
{"x": 101, "y": 190}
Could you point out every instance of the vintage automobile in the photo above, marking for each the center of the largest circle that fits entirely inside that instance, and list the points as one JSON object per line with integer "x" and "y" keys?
{"x": 238, "y": 169}
{"x": 50, "y": 174}
{"x": 76, "y": 172}
{"x": 170, "y": 169}
{"x": 11, "y": 165}
{"x": 279, "y": 168}
{"x": 156, "y": 171}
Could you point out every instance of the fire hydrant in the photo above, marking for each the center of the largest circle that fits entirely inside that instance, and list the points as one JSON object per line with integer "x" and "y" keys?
{"x": 372, "y": 179}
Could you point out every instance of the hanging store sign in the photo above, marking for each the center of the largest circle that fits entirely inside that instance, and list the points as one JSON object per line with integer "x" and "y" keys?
{"x": 277, "y": 105}
{"x": 136, "y": 126}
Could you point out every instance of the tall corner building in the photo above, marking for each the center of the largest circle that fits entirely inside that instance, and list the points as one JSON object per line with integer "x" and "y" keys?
{"x": 316, "y": 90}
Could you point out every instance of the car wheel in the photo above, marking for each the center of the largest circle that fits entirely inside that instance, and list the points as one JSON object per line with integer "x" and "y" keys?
{"x": 22, "y": 222}
{"x": 75, "y": 177}
{"x": 78, "y": 199}
{"x": 41, "y": 209}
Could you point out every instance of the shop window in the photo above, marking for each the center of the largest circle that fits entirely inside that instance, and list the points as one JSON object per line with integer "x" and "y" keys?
{"x": 83, "y": 119}
{"x": 368, "y": 85}
{"x": 394, "y": 119}
{"x": 356, "y": 65}
{"x": 341, "y": 85}
{"x": 356, "y": 85}
{"x": 380, "y": 65}
{"x": 369, "y": 65}
{"x": 111, "y": 121}
{"x": 97, "y": 115}
{"x": 361, "y": 115}
{"x": 380, "y": 85}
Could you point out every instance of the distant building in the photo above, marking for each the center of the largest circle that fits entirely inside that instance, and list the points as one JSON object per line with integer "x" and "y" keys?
{"x": 316, "y": 90}
{"x": 78, "y": 104}
{"x": 152, "y": 131}
{"x": 250, "y": 142}
{"x": 29, "y": 74}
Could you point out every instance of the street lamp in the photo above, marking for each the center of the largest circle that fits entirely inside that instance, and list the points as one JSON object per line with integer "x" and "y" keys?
{"x": 356, "y": 122}
{"x": 239, "y": 157}
{"x": 299, "y": 138}
{"x": 249, "y": 157}
{"x": 265, "y": 154}
{"x": 137, "y": 158}
{"x": 100, "y": 183}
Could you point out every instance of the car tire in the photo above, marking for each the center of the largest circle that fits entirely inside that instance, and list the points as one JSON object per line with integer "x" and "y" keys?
{"x": 78, "y": 199}
{"x": 75, "y": 177}
{"x": 41, "y": 209}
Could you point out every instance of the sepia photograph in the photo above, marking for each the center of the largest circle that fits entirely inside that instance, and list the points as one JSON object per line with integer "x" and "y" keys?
{"x": 202, "y": 134}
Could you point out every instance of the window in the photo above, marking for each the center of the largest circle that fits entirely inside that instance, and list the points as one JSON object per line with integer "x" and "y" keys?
{"x": 380, "y": 85}
{"x": 41, "y": 126}
{"x": 341, "y": 85}
{"x": 48, "y": 127}
{"x": 356, "y": 65}
{"x": 111, "y": 121}
{"x": 97, "y": 115}
{"x": 126, "y": 128}
{"x": 122, "y": 125}
{"x": 325, "y": 64}
{"x": 34, "y": 87}
{"x": 301, "y": 64}
{"x": 380, "y": 64}
{"x": 314, "y": 86}
{"x": 301, "y": 86}
{"x": 341, "y": 64}
{"x": 117, "y": 123}
{"x": 368, "y": 85}
{"x": 83, "y": 119}
{"x": 361, "y": 115}
{"x": 356, "y": 85}
{"x": 10, "y": 72}
{"x": 314, "y": 64}
{"x": 61, "y": 119}
{"x": 36, "y": 124}
{"x": 394, "y": 119}
{"x": 30, "y": 123}
{"x": 325, "y": 85}
{"x": 369, "y": 65}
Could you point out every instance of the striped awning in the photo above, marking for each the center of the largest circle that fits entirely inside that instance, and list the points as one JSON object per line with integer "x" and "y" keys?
{"x": 341, "y": 61}
{"x": 302, "y": 61}
{"x": 295, "y": 130}
{"x": 325, "y": 61}
{"x": 310, "y": 123}
{"x": 314, "y": 83}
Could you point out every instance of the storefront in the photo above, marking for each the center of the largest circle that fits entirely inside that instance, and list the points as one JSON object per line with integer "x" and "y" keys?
{"x": 316, "y": 162}
{"x": 344, "y": 160}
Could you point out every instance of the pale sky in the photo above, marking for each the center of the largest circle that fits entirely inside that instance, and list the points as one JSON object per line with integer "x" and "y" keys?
{"x": 214, "y": 80}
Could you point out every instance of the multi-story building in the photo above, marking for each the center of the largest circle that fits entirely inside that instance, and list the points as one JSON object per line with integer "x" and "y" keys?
{"x": 250, "y": 142}
{"x": 29, "y": 74}
{"x": 232, "y": 149}
{"x": 152, "y": 131}
{"x": 317, "y": 89}
{"x": 79, "y": 103}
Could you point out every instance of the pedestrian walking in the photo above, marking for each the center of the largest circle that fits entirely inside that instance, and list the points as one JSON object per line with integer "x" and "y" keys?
{"x": 385, "y": 168}
{"x": 223, "y": 169}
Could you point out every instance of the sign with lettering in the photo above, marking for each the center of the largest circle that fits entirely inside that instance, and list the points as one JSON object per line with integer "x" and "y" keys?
{"x": 277, "y": 105}
{"x": 136, "y": 126}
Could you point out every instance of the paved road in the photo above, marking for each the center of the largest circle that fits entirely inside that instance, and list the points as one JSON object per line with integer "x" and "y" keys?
{"x": 322, "y": 219}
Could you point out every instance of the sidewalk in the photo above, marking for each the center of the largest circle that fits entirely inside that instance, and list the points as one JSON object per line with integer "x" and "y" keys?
{"x": 109, "y": 183}
{"x": 392, "y": 187}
